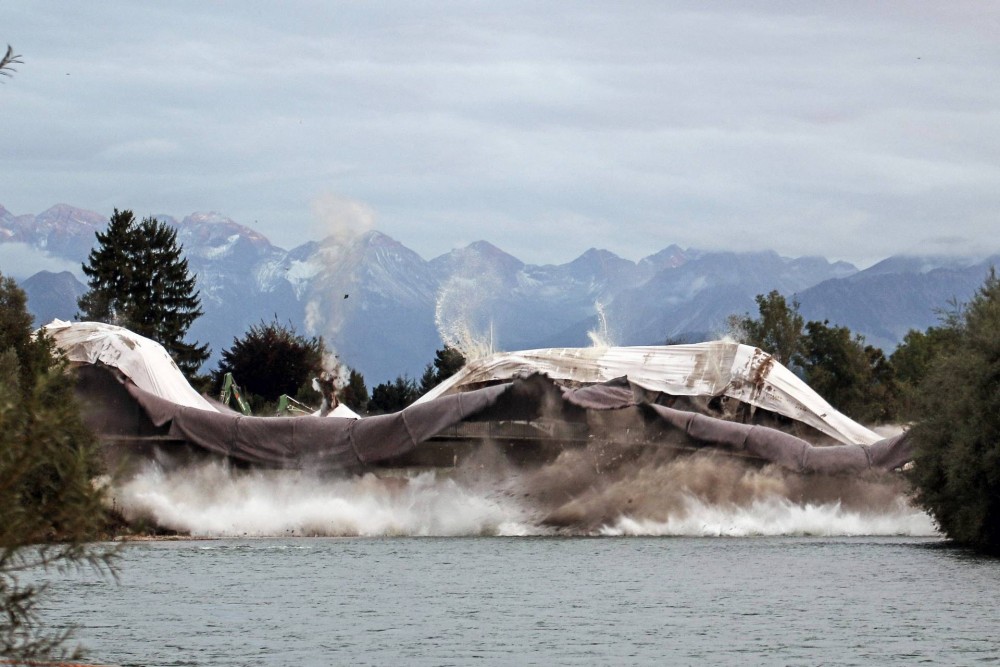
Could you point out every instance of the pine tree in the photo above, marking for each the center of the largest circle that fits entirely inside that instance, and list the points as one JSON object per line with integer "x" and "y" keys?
{"x": 355, "y": 394}
{"x": 393, "y": 396}
{"x": 139, "y": 279}
{"x": 447, "y": 361}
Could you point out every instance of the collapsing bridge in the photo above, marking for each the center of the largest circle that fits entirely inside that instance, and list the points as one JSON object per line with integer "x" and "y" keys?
{"x": 720, "y": 395}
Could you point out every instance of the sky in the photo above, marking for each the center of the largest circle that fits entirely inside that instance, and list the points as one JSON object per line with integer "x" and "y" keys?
{"x": 852, "y": 130}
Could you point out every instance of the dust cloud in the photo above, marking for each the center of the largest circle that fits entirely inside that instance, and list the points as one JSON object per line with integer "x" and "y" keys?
{"x": 597, "y": 490}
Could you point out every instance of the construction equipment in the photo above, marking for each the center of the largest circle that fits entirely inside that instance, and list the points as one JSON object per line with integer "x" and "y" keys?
{"x": 289, "y": 407}
{"x": 232, "y": 392}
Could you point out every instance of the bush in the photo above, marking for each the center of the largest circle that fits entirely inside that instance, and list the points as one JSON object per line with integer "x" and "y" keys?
{"x": 270, "y": 360}
{"x": 49, "y": 506}
{"x": 957, "y": 459}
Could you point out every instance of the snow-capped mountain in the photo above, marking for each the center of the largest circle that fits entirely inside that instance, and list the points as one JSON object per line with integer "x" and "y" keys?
{"x": 384, "y": 310}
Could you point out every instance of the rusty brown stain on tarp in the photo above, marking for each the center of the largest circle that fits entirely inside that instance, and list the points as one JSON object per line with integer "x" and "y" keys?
{"x": 759, "y": 370}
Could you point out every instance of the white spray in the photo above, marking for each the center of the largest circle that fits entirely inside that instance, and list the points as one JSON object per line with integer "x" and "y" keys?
{"x": 601, "y": 337}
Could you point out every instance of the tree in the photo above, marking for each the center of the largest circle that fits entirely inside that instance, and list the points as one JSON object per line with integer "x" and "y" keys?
{"x": 139, "y": 279}
{"x": 855, "y": 378}
{"x": 272, "y": 359}
{"x": 355, "y": 394}
{"x": 778, "y": 329}
{"x": 9, "y": 59}
{"x": 957, "y": 440}
{"x": 913, "y": 359}
{"x": 49, "y": 506}
{"x": 393, "y": 396}
{"x": 447, "y": 361}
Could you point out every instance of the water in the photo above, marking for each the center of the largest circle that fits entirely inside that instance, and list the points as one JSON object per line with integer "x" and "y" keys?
{"x": 662, "y": 559}
{"x": 538, "y": 600}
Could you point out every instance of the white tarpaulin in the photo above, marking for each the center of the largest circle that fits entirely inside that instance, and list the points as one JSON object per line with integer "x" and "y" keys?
{"x": 140, "y": 359}
{"x": 717, "y": 368}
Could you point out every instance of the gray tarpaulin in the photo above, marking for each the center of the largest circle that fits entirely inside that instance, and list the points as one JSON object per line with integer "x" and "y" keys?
{"x": 332, "y": 443}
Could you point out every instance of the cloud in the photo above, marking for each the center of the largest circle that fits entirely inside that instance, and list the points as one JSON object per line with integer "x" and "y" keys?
{"x": 21, "y": 261}
{"x": 816, "y": 128}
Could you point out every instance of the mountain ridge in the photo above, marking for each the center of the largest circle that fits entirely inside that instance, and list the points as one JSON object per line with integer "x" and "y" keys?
{"x": 383, "y": 309}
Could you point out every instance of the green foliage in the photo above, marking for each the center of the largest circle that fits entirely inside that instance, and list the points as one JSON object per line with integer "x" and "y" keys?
{"x": 957, "y": 461}
{"x": 138, "y": 279}
{"x": 447, "y": 361}
{"x": 49, "y": 506}
{"x": 355, "y": 394}
{"x": 270, "y": 360}
{"x": 777, "y": 330}
{"x": 393, "y": 396}
{"x": 855, "y": 378}
{"x": 912, "y": 361}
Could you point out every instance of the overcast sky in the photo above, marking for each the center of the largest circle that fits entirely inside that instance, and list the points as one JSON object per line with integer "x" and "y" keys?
{"x": 850, "y": 130}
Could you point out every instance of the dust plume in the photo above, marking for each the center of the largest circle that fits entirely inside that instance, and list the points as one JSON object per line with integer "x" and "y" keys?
{"x": 340, "y": 218}
{"x": 594, "y": 490}
{"x": 340, "y": 221}
{"x": 601, "y": 336}
{"x": 462, "y": 310}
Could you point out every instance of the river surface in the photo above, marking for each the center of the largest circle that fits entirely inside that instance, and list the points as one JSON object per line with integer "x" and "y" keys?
{"x": 788, "y": 600}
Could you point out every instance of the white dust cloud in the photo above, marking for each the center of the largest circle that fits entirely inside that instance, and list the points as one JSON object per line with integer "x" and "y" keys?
{"x": 341, "y": 219}
{"x": 462, "y": 310}
{"x": 582, "y": 492}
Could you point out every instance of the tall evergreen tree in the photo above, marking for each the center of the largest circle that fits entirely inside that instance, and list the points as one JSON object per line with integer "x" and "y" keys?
{"x": 355, "y": 394}
{"x": 447, "y": 361}
{"x": 139, "y": 279}
{"x": 393, "y": 396}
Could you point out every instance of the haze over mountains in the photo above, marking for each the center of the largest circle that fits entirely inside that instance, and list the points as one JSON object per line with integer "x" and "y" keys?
{"x": 384, "y": 309}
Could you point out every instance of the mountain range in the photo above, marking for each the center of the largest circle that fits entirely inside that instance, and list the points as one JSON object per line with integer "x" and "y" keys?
{"x": 383, "y": 309}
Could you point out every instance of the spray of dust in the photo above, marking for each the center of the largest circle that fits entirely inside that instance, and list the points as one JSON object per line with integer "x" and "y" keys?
{"x": 596, "y": 490}
{"x": 340, "y": 222}
{"x": 215, "y": 500}
{"x": 341, "y": 219}
{"x": 462, "y": 310}
{"x": 601, "y": 336}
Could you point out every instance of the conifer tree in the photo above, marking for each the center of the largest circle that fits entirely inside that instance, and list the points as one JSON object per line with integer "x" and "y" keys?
{"x": 139, "y": 279}
{"x": 355, "y": 394}
{"x": 447, "y": 361}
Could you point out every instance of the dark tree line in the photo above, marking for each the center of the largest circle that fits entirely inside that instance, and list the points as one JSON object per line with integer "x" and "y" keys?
{"x": 945, "y": 381}
{"x": 396, "y": 395}
{"x": 856, "y": 378}
{"x": 271, "y": 359}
